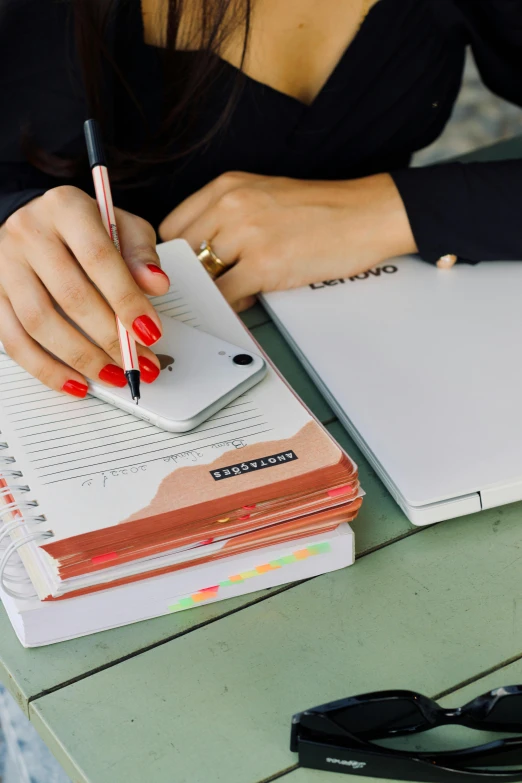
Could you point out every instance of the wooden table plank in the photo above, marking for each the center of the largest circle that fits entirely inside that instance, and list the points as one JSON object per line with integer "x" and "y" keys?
{"x": 425, "y": 613}
{"x": 255, "y": 316}
{"x": 28, "y": 672}
{"x": 501, "y": 150}
{"x": 289, "y": 365}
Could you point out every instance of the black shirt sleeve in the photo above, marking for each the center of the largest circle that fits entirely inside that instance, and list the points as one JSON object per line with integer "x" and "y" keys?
{"x": 473, "y": 209}
{"x": 41, "y": 96}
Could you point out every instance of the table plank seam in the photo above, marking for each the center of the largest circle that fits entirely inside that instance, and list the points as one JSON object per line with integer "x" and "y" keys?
{"x": 260, "y": 599}
{"x": 280, "y": 774}
{"x": 408, "y": 534}
{"x": 330, "y": 420}
{"x": 479, "y": 676}
{"x": 153, "y": 646}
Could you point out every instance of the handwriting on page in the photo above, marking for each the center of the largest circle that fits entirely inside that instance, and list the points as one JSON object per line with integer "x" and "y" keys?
{"x": 88, "y": 440}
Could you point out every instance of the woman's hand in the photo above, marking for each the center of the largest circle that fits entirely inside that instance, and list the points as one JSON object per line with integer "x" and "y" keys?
{"x": 277, "y": 233}
{"x": 55, "y": 250}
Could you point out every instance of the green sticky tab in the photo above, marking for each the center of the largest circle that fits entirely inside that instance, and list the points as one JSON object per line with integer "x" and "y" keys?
{"x": 288, "y": 559}
{"x": 174, "y": 608}
{"x": 276, "y": 563}
{"x": 226, "y": 583}
{"x": 249, "y": 574}
{"x": 318, "y": 549}
{"x": 184, "y": 602}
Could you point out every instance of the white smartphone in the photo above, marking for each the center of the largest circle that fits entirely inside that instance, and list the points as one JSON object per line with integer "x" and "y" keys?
{"x": 200, "y": 374}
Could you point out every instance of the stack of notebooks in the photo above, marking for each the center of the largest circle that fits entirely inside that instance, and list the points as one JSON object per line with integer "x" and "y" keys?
{"x": 107, "y": 520}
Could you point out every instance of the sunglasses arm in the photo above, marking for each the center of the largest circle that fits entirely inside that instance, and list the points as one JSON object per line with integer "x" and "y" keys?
{"x": 382, "y": 764}
{"x": 500, "y": 753}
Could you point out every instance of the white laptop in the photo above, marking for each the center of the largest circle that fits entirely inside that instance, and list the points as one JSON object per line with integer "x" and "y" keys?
{"x": 424, "y": 369}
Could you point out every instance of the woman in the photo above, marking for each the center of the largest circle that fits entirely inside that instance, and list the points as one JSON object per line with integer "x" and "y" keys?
{"x": 280, "y": 132}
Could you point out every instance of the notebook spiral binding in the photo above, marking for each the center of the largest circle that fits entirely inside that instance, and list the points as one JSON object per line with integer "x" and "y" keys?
{"x": 16, "y": 514}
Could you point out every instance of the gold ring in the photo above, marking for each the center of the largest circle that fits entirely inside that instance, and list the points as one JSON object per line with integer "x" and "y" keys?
{"x": 210, "y": 261}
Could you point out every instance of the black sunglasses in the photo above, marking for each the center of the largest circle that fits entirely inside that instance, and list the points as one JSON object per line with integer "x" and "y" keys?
{"x": 338, "y": 736}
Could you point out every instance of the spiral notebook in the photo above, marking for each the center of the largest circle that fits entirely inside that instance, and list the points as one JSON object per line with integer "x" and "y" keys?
{"x": 95, "y": 498}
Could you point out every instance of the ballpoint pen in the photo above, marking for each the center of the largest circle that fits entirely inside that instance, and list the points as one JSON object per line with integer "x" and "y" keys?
{"x": 100, "y": 175}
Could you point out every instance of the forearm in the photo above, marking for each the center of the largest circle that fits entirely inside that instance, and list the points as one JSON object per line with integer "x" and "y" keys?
{"x": 382, "y": 216}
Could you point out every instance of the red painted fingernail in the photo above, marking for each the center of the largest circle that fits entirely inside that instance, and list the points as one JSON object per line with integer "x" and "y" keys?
{"x": 146, "y": 329}
{"x": 157, "y": 270}
{"x": 149, "y": 371}
{"x": 75, "y": 388}
{"x": 113, "y": 374}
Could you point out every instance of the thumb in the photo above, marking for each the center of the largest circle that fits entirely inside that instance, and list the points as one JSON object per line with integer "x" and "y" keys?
{"x": 138, "y": 248}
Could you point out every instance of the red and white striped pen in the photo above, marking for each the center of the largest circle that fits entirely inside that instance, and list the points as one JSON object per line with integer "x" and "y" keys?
{"x": 100, "y": 175}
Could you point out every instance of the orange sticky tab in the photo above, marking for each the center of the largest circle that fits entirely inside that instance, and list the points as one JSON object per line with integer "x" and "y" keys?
{"x": 235, "y": 578}
{"x": 302, "y": 554}
{"x": 104, "y": 558}
{"x": 262, "y": 569}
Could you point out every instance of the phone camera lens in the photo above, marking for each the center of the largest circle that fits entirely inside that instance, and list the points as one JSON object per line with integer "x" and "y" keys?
{"x": 242, "y": 358}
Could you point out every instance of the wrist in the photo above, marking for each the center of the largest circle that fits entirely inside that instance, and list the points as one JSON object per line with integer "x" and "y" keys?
{"x": 386, "y": 221}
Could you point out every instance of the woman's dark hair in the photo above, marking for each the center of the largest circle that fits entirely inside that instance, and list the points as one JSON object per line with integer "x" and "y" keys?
{"x": 188, "y": 79}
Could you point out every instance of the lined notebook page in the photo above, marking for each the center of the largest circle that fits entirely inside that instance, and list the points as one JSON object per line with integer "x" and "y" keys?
{"x": 92, "y": 464}
{"x": 78, "y": 438}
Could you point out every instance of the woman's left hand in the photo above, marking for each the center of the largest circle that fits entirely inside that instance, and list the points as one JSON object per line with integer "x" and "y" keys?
{"x": 276, "y": 233}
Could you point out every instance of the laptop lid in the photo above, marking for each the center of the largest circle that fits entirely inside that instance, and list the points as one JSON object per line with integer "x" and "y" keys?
{"x": 424, "y": 366}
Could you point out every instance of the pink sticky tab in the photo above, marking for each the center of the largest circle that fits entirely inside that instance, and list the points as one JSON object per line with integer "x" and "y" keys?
{"x": 333, "y": 493}
{"x": 104, "y": 558}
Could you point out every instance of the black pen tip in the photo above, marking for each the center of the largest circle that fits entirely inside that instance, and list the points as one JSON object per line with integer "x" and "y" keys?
{"x": 133, "y": 379}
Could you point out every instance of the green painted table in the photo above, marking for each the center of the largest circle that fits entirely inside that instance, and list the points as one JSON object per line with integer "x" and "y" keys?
{"x": 206, "y": 695}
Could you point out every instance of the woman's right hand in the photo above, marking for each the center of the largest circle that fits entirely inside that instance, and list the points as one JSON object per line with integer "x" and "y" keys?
{"x": 56, "y": 250}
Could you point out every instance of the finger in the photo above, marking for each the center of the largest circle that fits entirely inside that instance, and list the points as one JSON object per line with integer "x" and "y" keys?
{"x": 74, "y": 293}
{"x": 35, "y": 311}
{"x": 149, "y": 365}
{"x": 189, "y": 210}
{"x": 239, "y": 282}
{"x": 71, "y": 289}
{"x": 138, "y": 248}
{"x": 244, "y": 304}
{"x": 32, "y": 358}
{"x": 77, "y": 221}
{"x": 228, "y": 236}
{"x": 446, "y": 262}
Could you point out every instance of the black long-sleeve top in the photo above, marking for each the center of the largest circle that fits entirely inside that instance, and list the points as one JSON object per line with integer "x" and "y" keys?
{"x": 390, "y": 95}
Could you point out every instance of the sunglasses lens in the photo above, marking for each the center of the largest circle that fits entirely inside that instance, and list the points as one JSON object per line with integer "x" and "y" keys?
{"x": 507, "y": 711}
{"x": 380, "y": 718}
